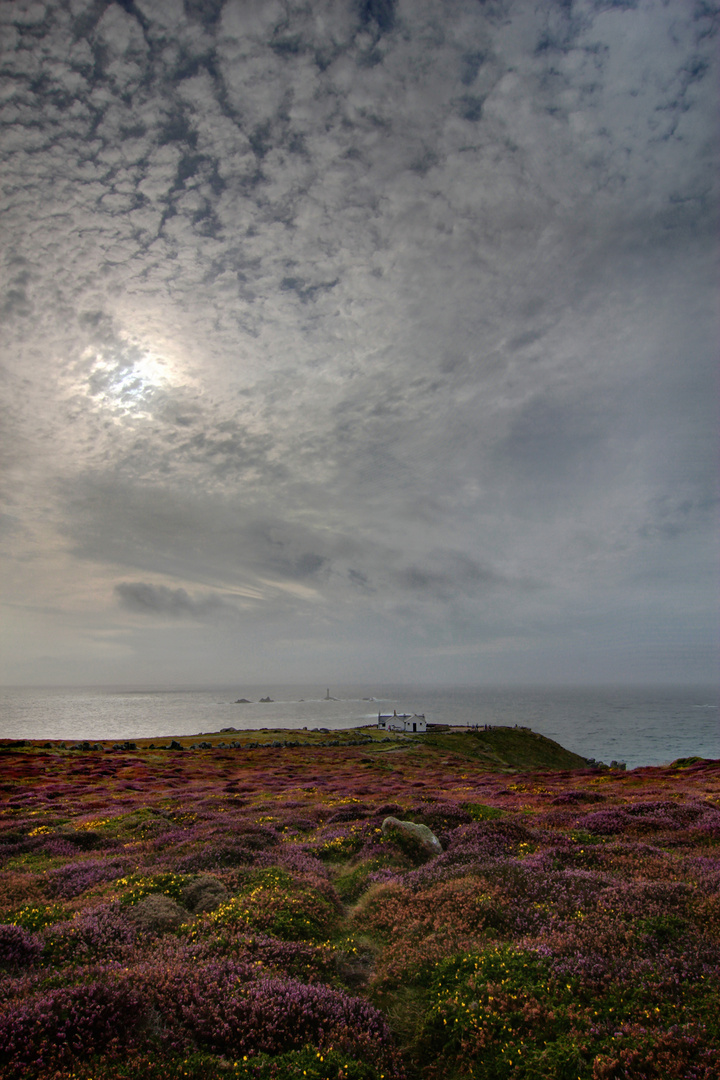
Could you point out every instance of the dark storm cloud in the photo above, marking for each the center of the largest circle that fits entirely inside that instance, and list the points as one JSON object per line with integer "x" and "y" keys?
{"x": 8, "y": 524}
{"x": 164, "y": 530}
{"x": 359, "y": 579}
{"x": 146, "y": 599}
{"x": 684, "y": 512}
{"x": 377, "y": 13}
{"x": 385, "y": 313}
{"x": 447, "y": 573}
{"x": 304, "y": 290}
{"x": 555, "y": 443}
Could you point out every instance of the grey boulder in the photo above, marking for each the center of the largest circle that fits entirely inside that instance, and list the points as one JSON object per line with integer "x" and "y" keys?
{"x": 411, "y": 831}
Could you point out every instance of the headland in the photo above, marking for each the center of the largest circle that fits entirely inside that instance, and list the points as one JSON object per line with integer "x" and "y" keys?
{"x": 274, "y": 904}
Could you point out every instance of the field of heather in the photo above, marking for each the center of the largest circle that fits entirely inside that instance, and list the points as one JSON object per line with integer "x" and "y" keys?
{"x": 230, "y": 906}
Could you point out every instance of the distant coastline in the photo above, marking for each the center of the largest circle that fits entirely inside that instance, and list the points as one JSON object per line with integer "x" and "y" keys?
{"x": 639, "y": 726}
{"x": 495, "y": 748}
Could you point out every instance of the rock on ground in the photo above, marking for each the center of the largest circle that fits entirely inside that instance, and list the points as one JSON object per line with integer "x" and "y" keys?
{"x": 420, "y": 834}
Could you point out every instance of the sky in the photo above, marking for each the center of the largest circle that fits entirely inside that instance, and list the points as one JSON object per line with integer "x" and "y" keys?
{"x": 359, "y": 340}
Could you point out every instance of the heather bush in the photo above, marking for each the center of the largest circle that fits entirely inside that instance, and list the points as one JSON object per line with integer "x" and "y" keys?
{"x": 350, "y": 812}
{"x": 487, "y": 839}
{"x": 18, "y": 947}
{"x": 61, "y": 1024}
{"x": 296, "y": 859}
{"x": 104, "y": 933}
{"x": 253, "y": 837}
{"x": 398, "y": 914}
{"x": 245, "y": 848}
{"x": 606, "y": 822}
{"x": 36, "y": 918}
{"x": 58, "y": 847}
{"x": 14, "y": 844}
{"x": 341, "y": 841}
{"x": 157, "y": 913}
{"x": 204, "y": 893}
{"x": 76, "y": 878}
{"x": 213, "y": 856}
{"x": 181, "y": 916}
{"x": 222, "y": 1007}
{"x": 441, "y": 817}
{"x": 138, "y": 886}
{"x": 301, "y": 959}
{"x": 287, "y": 906}
{"x": 504, "y": 1013}
{"x": 352, "y": 882}
{"x": 572, "y": 798}
{"x": 482, "y": 812}
{"x": 85, "y": 839}
{"x": 313, "y": 1065}
{"x": 669, "y": 813}
{"x": 308, "y": 1063}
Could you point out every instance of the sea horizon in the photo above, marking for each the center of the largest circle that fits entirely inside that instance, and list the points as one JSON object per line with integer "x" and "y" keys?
{"x": 635, "y": 724}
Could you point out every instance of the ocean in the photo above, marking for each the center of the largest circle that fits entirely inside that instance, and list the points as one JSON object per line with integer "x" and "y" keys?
{"x": 640, "y": 726}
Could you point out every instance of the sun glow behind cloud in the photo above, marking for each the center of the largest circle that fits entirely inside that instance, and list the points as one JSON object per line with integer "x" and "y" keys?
{"x": 125, "y": 382}
{"x": 395, "y": 332}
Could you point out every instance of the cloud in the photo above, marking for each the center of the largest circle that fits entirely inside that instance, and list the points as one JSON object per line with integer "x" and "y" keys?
{"x": 380, "y": 13}
{"x": 390, "y": 314}
{"x": 448, "y": 573}
{"x": 147, "y": 599}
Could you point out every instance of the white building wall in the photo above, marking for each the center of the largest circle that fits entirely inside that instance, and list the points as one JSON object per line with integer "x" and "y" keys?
{"x": 412, "y": 724}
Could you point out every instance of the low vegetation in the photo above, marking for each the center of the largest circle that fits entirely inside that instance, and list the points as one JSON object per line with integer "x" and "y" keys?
{"x": 235, "y": 910}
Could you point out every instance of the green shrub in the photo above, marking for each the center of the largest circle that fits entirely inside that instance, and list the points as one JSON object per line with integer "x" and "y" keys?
{"x": 501, "y": 1010}
{"x": 306, "y": 1064}
{"x": 481, "y": 812}
{"x": 663, "y": 928}
{"x": 37, "y": 918}
{"x": 137, "y": 886}
{"x": 276, "y": 902}
{"x": 352, "y": 883}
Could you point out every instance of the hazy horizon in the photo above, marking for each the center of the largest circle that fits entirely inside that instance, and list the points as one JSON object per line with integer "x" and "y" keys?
{"x": 358, "y": 685}
{"x": 359, "y": 336}
{"x": 637, "y": 725}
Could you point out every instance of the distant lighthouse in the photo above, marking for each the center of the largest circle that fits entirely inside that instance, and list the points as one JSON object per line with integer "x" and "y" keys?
{"x": 327, "y": 694}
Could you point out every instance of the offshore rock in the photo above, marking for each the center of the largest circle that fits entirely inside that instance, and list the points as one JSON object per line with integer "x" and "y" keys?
{"x": 412, "y": 834}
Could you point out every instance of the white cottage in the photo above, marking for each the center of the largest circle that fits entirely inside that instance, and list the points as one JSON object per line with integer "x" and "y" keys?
{"x": 402, "y": 722}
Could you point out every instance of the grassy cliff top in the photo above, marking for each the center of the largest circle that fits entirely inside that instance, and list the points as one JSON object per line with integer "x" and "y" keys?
{"x": 498, "y": 749}
{"x": 237, "y": 911}
{"x": 505, "y": 747}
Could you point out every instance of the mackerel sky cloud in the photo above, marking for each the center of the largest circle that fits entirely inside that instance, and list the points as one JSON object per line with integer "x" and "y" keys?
{"x": 359, "y": 340}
